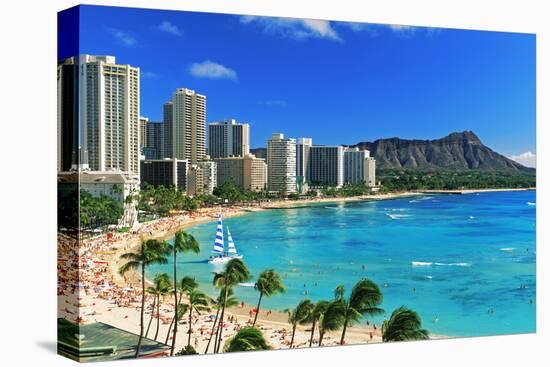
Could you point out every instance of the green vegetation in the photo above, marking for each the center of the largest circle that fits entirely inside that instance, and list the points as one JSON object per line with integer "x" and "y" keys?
{"x": 299, "y": 315}
{"x": 99, "y": 211}
{"x": 235, "y": 272}
{"x": 404, "y": 324}
{"x": 348, "y": 190}
{"x": 187, "y": 350}
{"x": 248, "y": 338}
{"x": 162, "y": 200}
{"x": 404, "y": 180}
{"x": 268, "y": 284}
{"x": 363, "y": 300}
{"x": 332, "y": 319}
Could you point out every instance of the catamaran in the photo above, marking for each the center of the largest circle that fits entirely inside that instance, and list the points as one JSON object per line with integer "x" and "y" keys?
{"x": 221, "y": 256}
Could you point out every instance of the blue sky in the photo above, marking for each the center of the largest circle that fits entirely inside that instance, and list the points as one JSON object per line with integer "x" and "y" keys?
{"x": 337, "y": 82}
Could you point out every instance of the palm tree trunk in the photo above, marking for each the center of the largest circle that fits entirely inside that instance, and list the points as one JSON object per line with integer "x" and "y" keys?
{"x": 216, "y": 341}
{"x": 321, "y": 334}
{"x": 141, "y": 323}
{"x": 221, "y": 318}
{"x": 175, "y": 304}
{"x": 190, "y": 325}
{"x": 158, "y": 317}
{"x": 152, "y": 314}
{"x": 257, "y": 309}
{"x": 344, "y": 331}
{"x": 212, "y": 331}
{"x": 293, "y": 332}
{"x": 173, "y": 319}
{"x": 312, "y": 332}
{"x": 169, "y": 330}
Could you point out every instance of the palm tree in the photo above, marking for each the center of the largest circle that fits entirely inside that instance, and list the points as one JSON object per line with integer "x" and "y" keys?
{"x": 299, "y": 315}
{"x": 160, "y": 288}
{"x": 186, "y": 284}
{"x": 404, "y": 324}
{"x": 183, "y": 242}
{"x": 314, "y": 316}
{"x": 363, "y": 300}
{"x": 332, "y": 319}
{"x": 248, "y": 338}
{"x": 269, "y": 283}
{"x": 235, "y": 272}
{"x": 198, "y": 301}
{"x": 150, "y": 252}
{"x": 231, "y": 302}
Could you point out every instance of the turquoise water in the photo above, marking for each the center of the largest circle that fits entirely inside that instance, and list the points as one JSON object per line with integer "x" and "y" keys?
{"x": 465, "y": 263}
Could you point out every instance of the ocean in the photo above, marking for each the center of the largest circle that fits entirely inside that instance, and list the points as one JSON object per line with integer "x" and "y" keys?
{"x": 465, "y": 263}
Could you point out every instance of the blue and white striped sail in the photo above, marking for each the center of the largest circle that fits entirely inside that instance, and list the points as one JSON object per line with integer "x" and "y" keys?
{"x": 231, "y": 249}
{"x": 218, "y": 243}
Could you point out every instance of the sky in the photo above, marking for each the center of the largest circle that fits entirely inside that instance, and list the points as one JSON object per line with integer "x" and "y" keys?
{"x": 336, "y": 82}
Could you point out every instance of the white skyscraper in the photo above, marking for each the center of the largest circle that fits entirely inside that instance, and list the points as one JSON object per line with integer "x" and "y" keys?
{"x": 188, "y": 125}
{"x": 228, "y": 139}
{"x": 109, "y": 114}
{"x": 281, "y": 164}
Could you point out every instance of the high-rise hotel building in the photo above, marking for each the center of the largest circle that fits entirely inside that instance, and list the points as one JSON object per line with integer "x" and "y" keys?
{"x": 248, "y": 172}
{"x": 67, "y": 115}
{"x": 154, "y": 146}
{"x": 228, "y": 139}
{"x": 166, "y": 149}
{"x": 281, "y": 164}
{"x": 303, "y": 145}
{"x": 359, "y": 167}
{"x": 202, "y": 178}
{"x": 326, "y": 166}
{"x": 143, "y": 122}
{"x": 188, "y": 131}
{"x": 105, "y": 97}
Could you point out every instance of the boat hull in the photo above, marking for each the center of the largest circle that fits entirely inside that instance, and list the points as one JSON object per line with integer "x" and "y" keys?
{"x": 223, "y": 259}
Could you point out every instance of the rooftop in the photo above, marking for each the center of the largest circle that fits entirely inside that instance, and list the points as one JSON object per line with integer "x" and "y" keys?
{"x": 102, "y": 342}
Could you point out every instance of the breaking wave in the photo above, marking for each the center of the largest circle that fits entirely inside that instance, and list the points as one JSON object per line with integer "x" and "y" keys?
{"x": 427, "y": 263}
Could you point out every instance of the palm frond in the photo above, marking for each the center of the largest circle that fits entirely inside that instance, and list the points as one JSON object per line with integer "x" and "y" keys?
{"x": 248, "y": 338}
{"x": 130, "y": 265}
{"x": 404, "y": 324}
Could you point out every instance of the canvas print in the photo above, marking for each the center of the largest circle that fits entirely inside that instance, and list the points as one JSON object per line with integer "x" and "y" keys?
{"x": 233, "y": 183}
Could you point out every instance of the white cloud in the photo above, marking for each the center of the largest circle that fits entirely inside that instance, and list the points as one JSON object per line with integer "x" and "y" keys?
{"x": 298, "y": 29}
{"x": 528, "y": 159}
{"x": 212, "y": 70}
{"x": 168, "y": 27}
{"x": 123, "y": 37}
{"x": 397, "y": 29}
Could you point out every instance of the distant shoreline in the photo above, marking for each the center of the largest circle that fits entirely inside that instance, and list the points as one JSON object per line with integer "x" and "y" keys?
{"x": 475, "y": 191}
